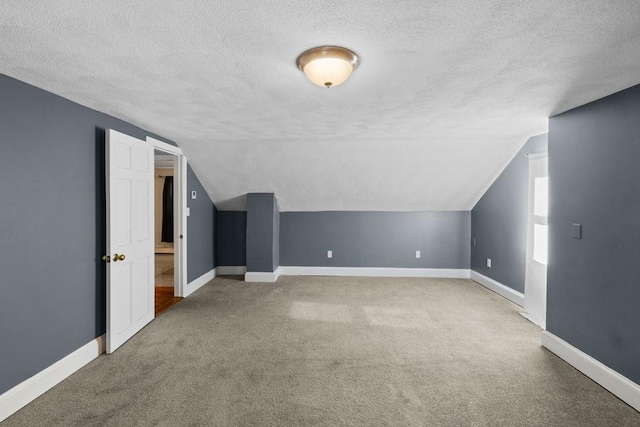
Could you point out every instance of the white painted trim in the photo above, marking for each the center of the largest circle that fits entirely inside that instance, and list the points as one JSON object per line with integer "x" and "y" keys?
{"x": 258, "y": 276}
{"x": 540, "y": 155}
{"x": 529, "y": 318}
{"x": 180, "y": 208}
{"x": 200, "y": 282}
{"x": 22, "y": 394}
{"x": 181, "y": 272}
{"x": 625, "y": 389}
{"x": 376, "y": 272}
{"x": 163, "y": 146}
{"x": 230, "y": 270}
{"x": 497, "y": 287}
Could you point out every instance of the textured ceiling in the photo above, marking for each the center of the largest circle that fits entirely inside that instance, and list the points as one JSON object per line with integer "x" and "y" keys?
{"x": 445, "y": 95}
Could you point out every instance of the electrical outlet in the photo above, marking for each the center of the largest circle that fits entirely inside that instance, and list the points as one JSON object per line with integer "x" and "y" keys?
{"x": 417, "y": 254}
{"x": 489, "y": 262}
{"x": 329, "y": 254}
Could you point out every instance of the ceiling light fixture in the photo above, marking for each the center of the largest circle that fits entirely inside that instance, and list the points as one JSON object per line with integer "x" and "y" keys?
{"x": 328, "y": 66}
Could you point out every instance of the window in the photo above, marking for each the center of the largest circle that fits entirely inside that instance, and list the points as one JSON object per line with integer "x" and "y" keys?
{"x": 540, "y": 243}
{"x": 541, "y": 197}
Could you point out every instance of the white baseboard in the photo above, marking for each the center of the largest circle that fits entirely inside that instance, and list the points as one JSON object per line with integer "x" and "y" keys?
{"x": 351, "y": 271}
{"x": 497, "y": 287}
{"x": 376, "y": 272}
{"x": 19, "y": 396}
{"x": 259, "y": 276}
{"x": 199, "y": 282}
{"x": 230, "y": 270}
{"x": 625, "y": 389}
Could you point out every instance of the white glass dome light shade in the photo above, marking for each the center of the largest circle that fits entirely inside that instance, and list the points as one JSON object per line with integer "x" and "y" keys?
{"x": 328, "y": 72}
{"x": 328, "y": 66}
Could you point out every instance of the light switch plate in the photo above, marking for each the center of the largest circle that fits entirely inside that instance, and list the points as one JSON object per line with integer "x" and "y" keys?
{"x": 193, "y": 195}
{"x": 577, "y": 231}
{"x": 188, "y": 211}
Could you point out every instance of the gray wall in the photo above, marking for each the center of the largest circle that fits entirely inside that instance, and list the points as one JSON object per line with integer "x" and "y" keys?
{"x": 52, "y": 227}
{"x": 593, "y": 290}
{"x": 231, "y": 238}
{"x": 276, "y": 235}
{"x": 200, "y": 230}
{"x": 499, "y": 221}
{"x": 261, "y": 232}
{"x": 375, "y": 239}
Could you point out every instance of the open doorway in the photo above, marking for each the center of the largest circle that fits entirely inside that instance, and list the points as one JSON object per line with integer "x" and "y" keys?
{"x": 165, "y": 224}
{"x": 535, "y": 285}
{"x": 170, "y": 224}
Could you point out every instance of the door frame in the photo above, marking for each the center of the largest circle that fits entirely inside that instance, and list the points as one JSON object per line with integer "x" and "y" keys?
{"x": 180, "y": 214}
{"x": 531, "y": 286}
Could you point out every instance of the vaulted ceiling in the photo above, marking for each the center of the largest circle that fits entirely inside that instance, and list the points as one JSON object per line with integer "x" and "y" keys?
{"x": 445, "y": 95}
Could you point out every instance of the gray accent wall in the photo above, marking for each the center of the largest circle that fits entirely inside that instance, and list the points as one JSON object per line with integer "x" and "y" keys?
{"x": 231, "y": 238}
{"x": 200, "y": 229}
{"x": 276, "y": 235}
{"x": 375, "y": 239}
{"x": 499, "y": 221}
{"x": 593, "y": 285}
{"x": 261, "y": 232}
{"x": 52, "y": 227}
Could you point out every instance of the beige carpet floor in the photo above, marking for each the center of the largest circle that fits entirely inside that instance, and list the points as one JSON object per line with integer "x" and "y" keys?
{"x": 332, "y": 351}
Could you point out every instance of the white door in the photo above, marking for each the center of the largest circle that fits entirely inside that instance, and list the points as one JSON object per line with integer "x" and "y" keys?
{"x": 130, "y": 239}
{"x": 535, "y": 284}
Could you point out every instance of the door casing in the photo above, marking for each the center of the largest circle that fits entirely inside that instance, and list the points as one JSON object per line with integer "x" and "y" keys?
{"x": 180, "y": 213}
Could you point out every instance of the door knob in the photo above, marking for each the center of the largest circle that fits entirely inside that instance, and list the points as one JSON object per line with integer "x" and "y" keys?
{"x": 117, "y": 257}
{"x": 106, "y": 258}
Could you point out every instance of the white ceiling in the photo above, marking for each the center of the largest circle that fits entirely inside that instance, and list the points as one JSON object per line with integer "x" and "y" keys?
{"x": 445, "y": 95}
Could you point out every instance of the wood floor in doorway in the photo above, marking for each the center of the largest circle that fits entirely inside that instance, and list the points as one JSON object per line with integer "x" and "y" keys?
{"x": 164, "y": 270}
{"x": 165, "y": 298}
